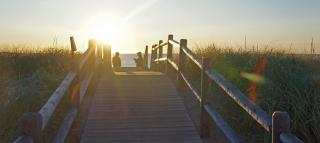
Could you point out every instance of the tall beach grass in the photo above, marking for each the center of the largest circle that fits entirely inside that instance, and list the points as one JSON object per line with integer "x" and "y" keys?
{"x": 290, "y": 83}
{"x": 28, "y": 76}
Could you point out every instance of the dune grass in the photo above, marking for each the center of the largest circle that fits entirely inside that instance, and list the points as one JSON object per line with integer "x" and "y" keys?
{"x": 28, "y": 77}
{"x": 290, "y": 83}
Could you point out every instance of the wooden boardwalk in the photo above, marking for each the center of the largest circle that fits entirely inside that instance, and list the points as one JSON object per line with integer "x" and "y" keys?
{"x": 138, "y": 107}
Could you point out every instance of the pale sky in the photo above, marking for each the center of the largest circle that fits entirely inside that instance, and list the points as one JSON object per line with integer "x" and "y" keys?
{"x": 134, "y": 23}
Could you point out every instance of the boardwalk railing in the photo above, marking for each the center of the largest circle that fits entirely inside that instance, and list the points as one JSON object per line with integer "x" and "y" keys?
{"x": 278, "y": 124}
{"x": 80, "y": 81}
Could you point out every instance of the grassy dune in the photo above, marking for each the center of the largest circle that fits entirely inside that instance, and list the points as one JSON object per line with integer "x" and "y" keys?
{"x": 28, "y": 76}
{"x": 287, "y": 83}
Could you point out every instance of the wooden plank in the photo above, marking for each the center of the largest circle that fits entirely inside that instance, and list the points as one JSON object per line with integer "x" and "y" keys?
{"x": 127, "y": 109}
{"x": 256, "y": 112}
{"x": 289, "y": 138}
{"x": 174, "y": 43}
{"x": 192, "y": 56}
{"x": 222, "y": 124}
{"x": 192, "y": 89}
{"x": 65, "y": 126}
{"x": 68, "y": 120}
{"x": 47, "y": 110}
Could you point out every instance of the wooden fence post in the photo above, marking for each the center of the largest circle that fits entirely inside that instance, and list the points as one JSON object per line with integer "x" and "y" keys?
{"x": 280, "y": 124}
{"x": 205, "y": 85}
{"x": 107, "y": 57}
{"x": 182, "y": 58}
{"x": 92, "y": 46}
{"x": 160, "y": 49}
{"x": 170, "y": 46}
{"x": 74, "y": 96}
{"x": 152, "y": 58}
{"x": 73, "y": 45}
{"x": 169, "y": 53}
{"x": 146, "y": 58}
{"x": 155, "y": 57}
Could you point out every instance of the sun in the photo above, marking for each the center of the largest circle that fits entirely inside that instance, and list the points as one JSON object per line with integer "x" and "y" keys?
{"x": 105, "y": 32}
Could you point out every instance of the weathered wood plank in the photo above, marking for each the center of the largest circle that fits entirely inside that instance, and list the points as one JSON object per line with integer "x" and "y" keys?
{"x": 141, "y": 107}
{"x": 47, "y": 110}
{"x": 256, "y": 112}
{"x": 222, "y": 124}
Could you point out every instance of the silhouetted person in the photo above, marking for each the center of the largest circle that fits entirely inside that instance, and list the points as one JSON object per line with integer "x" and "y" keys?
{"x": 139, "y": 60}
{"x": 116, "y": 61}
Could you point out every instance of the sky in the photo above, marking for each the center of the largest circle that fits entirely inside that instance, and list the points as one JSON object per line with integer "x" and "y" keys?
{"x": 129, "y": 25}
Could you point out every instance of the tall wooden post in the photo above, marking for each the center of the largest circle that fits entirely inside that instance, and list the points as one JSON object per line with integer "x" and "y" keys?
{"x": 73, "y": 45}
{"x": 152, "y": 58}
{"x": 170, "y": 46}
{"x": 169, "y": 53}
{"x": 182, "y": 58}
{"x": 146, "y": 58}
{"x": 160, "y": 49}
{"x": 156, "y": 56}
{"x": 92, "y": 47}
{"x": 205, "y": 84}
{"x": 107, "y": 57}
{"x": 74, "y": 96}
{"x": 280, "y": 124}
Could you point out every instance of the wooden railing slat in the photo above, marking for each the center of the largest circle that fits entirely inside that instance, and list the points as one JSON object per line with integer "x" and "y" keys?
{"x": 174, "y": 65}
{"x": 174, "y": 43}
{"x": 289, "y": 138}
{"x": 65, "y": 126}
{"x": 85, "y": 86}
{"x": 222, "y": 124}
{"x": 193, "y": 90}
{"x": 192, "y": 56}
{"x": 47, "y": 110}
{"x": 256, "y": 112}
{"x": 85, "y": 58}
{"x": 164, "y": 44}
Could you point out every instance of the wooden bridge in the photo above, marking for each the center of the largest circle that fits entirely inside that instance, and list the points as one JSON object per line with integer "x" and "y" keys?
{"x": 143, "y": 104}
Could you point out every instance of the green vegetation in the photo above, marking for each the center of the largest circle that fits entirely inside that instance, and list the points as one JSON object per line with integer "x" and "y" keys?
{"x": 28, "y": 77}
{"x": 291, "y": 83}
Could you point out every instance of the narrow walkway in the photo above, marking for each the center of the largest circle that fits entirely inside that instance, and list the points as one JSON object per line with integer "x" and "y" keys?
{"x": 139, "y": 107}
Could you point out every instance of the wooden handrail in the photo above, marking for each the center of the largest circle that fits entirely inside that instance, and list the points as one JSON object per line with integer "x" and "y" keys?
{"x": 289, "y": 138}
{"x": 256, "y": 112}
{"x": 47, "y": 109}
{"x": 192, "y": 56}
{"x": 34, "y": 123}
{"x": 259, "y": 115}
{"x": 174, "y": 43}
{"x": 222, "y": 124}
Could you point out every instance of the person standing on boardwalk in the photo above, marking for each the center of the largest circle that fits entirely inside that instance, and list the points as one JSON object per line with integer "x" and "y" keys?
{"x": 116, "y": 61}
{"x": 139, "y": 60}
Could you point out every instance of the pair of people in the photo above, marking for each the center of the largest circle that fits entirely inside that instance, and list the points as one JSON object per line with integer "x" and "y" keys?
{"x": 116, "y": 60}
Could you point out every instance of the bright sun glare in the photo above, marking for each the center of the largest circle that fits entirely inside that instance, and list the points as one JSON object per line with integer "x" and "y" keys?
{"x": 107, "y": 32}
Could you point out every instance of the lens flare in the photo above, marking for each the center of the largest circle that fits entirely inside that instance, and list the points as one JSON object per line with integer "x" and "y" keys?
{"x": 255, "y": 79}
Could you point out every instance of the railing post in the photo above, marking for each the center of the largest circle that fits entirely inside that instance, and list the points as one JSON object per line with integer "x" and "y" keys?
{"x": 146, "y": 58}
{"x": 160, "y": 49}
{"x": 280, "y": 124}
{"x": 107, "y": 57}
{"x": 182, "y": 57}
{"x": 170, "y": 46}
{"x": 169, "y": 53}
{"x": 73, "y": 46}
{"x": 152, "y": 58}
{"x": 155, "y": 57}
{"x": 74, "y": 96}
{"x": 92, "y": 46}
{"x": 205, "y": 84}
